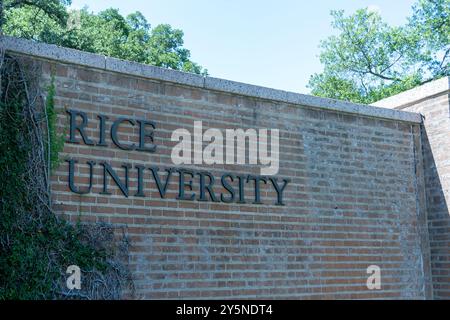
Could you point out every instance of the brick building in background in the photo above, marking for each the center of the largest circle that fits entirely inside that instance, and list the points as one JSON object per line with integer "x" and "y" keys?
{"x": 367, "y": 185}
{"x": 432, "y": 102}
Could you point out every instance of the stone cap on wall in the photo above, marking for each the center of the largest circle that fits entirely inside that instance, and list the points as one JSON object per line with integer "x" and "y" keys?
{"x": 416, "y": 95}
{"x": 72, "y": 56}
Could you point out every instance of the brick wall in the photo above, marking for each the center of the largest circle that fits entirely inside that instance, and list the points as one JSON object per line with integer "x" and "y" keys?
{"x": 355, "y": 198}
{"x": 432, "y": 101}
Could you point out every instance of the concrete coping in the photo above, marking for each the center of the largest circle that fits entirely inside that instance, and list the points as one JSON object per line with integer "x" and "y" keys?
{"x": 72, "y": 56}
{"x": 405, "y": 99}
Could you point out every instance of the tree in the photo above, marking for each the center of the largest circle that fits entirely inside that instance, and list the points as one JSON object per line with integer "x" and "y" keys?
{"x": 165, "y": 50}
{"x": 55, "y": 9}
{"x": 429, "y": 28}
{"x": 369, "y": 60}
{"x": 108, "y": 33}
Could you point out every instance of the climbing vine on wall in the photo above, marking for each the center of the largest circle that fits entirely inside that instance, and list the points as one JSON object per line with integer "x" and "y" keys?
{"x": 37, "y": 246}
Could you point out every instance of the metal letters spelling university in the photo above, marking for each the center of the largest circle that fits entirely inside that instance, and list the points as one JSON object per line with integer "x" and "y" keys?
{"x": 234, "y": 184}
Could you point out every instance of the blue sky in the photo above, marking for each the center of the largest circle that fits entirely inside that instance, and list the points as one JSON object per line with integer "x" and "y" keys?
{"x": 268, "y": 43}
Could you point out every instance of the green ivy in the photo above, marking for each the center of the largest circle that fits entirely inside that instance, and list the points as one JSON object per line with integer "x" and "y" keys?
{"x": 56, "y": 140}
{"x": 35, "y": 248}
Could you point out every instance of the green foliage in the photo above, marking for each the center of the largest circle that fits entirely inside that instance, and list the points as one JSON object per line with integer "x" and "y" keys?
{"x": 369, "y": 60}
{"x": 35, "y": 246}
{"x": 56, "y": 140}
{"x": 54, "y": 9}
{"x": 165, "y": 50}
{"x": 429, "y": 31}
{"x": 108, "y": 33}
{"x": 13, "y": 155}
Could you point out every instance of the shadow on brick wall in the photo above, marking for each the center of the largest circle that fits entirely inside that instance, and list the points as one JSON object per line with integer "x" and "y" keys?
{"x": 438, "y": 223}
